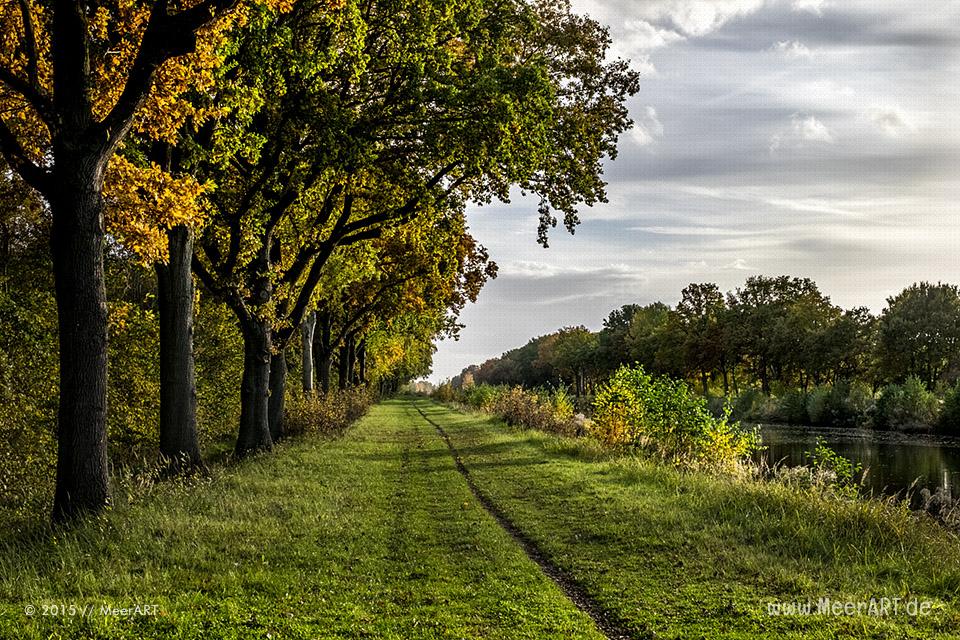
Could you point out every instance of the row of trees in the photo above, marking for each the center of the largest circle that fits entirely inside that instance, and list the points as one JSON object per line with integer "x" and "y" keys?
{"x": 309, "y": 161}
{"x": 770, "y": 331}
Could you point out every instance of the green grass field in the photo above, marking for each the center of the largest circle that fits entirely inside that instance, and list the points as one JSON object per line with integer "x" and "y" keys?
{"x": 377, "y": 535}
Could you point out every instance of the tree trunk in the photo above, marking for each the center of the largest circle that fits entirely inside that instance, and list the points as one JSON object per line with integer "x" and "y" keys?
{"x": 351, "y": 361}
{"x": 362, "y": 362}
{"x": 704, "y": 382}
{"x": 343, "y": 367}
{"x": 77, "y": 244}
{"x": 307, "y": 331}
{"x": 278, "y": 387}
{"x": 254, "y": 432}
{"x": 323, "y": 353}
{"x": 178, "y": 386}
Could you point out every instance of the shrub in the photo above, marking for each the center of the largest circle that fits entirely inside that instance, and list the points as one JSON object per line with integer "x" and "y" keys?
{"x": 835, "y": 471}
{"x": 480, "y": 396}
{"x": 445, "y": 392}
{"x": 662, "y": 416}
{"x": 328, "y": 414}
{"x": 753, "y": 406}
{"x": 539, "y": 410}
{"x": 909, "y": 405}
{"x": 949, "y": 421}
{"x": 792, "y": 408}
{"x": 563, "y": 408}
{"x": 861, "y": 401}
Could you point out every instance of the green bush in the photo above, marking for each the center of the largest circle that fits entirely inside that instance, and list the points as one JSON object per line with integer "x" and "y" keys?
{"x": 749, "y": 405}
{"x": 837, "y": 472}
{"x": 832, "y": 407}
{"x": 909, "y": 405}
{"x": 949, "y": 420}
{"x": 445, "y": 392}
{"x": 792, "y": 408}
{"x": 663, "y": 416}
{"x": 480, "y": 396}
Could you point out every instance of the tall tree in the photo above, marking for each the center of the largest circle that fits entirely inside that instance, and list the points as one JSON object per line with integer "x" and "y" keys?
{"x": 74, "y": 76}
{"x": 384, "y": 110}
{"x": 919, "y": 332}
{"x": 698, "y": 323}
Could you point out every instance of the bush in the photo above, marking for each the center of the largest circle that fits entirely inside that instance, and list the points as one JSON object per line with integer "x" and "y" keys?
{"x": 328, "y": 414}
{"x": 542, "y": 410}
{"x": 662, "y": 416}
{"x": 445, "y": 392}
{"x": 480, "y": 396}
{"x": 748, "y": 405}
{"x": 949, "y": 418}
{"x": 792, "y": 408}
{"x": 835, "y": 471}
{"x": 909, "y": 405}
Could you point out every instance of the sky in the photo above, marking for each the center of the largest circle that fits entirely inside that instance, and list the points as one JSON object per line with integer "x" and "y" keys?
{"x": 813, "y": 138}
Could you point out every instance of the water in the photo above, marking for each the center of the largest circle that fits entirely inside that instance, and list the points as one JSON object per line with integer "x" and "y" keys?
{"x": 894, "y": 461}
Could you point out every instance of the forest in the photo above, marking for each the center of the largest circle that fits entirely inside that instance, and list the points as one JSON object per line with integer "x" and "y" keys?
{"x": 777, "y": 348}
{"x": 204, "y": 201}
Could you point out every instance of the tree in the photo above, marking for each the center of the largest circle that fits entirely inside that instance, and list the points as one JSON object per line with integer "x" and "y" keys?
{"x": 612, "y": 349}
{"x": 698, "y": 322}
{"x": 645, "y": 336}
{"x": 423, "y": 273}
{"x": 571, "y": 353}
{"x": 361, "y": 134}
{"x": 773, "y": 319}
{"x": 74, "y": 76}
{"x": 919, "y": 332}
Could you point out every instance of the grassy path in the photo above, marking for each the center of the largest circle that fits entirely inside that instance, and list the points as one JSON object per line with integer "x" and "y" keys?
{"x": 372, "y": 536}
{"x": 378, "y": 535}
{"x": 689, "y": 556}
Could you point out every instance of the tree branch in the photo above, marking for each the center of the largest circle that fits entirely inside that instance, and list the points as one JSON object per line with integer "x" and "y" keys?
{"x": 17, "y": 158}
{"x": 30, "y": 42}
{"x": 34, "y": 97}
{"x": 166, "y": 37}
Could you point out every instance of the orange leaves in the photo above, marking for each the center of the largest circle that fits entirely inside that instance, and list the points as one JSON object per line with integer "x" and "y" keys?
{"x": 142, "y": 202}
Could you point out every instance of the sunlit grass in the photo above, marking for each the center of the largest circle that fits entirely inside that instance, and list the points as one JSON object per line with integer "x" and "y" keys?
{"x": 691, "y": 555}
{"x": 372, "y": 535}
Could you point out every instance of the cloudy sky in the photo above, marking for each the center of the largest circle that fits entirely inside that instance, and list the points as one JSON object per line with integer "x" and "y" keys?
{"x": 814, "y": 138}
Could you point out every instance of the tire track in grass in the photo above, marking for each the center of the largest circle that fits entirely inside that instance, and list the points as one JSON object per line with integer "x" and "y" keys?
{"x": 607, "y": 621}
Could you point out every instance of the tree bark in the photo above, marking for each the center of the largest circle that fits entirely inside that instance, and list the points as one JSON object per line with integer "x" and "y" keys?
{"x": 343, "y": 367}
{"x": 77, "y": 244}
{"x": 307, "y": 331}
{"x": 178, "y": 385}
{"x": 323, "y": 352}
{"x": 362, "y": 362}
{"x": 278, "y": 388}
{"x": 254, "y": 432}
{"x": 351, "y": 361}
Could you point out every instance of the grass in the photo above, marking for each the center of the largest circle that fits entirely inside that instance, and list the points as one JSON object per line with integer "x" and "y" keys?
{"x": 373, "y": 535}
{"x": 684, "y": 555}
{"x": 377, "y": 535}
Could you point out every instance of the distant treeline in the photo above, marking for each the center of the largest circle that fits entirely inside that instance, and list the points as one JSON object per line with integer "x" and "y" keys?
{"x": 777, "y": 335}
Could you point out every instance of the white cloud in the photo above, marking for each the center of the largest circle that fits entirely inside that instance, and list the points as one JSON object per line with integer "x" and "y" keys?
{"x": 647, "y": 128}
{"x": 640, "y": 35}
{"x": 697, "y": 17}
{"x": 794, "y": 50}
{"x": 802, "y": 130}
{"x": 813, "y": 6}
{"x": 892, "y": 121}
{"x": 738, "y": 265}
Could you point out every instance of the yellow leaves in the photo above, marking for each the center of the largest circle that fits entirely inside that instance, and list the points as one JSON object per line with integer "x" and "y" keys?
{"x": 142, "y": 202}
